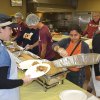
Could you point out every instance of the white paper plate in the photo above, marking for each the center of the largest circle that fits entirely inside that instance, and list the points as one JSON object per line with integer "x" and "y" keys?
{"x": 27, "y": 64}
{"x": 33, "y": 73}
{"x": 73, "y": 95}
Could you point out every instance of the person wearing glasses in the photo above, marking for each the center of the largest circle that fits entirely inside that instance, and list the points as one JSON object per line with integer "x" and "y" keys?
{"x": 9, "y": 81}
{"x": 73, "y": 46}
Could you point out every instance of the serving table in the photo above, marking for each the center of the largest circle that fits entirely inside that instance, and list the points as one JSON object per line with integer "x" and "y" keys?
{"x": 35, "y": 91}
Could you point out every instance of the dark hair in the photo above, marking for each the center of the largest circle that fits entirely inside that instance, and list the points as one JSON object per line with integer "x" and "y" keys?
{"x": 75, "y": 27}
{"x": 3, "y": 27}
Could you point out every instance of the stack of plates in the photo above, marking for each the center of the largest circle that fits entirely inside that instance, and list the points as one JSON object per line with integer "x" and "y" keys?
{"x": 31, "y": 69}
{"x": 73, "y": 95}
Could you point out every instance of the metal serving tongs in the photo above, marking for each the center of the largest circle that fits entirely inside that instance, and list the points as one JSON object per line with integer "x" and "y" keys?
{"x": 80, "y": 60}
{"x": 20, "y": 52}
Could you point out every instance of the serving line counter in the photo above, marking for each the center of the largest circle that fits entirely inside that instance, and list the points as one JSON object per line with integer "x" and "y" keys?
{"x": 35, "y": 91}
{"x": 27, "y": 60}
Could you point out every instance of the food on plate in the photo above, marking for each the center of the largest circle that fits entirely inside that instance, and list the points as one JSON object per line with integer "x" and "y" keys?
{"x": 34, "y": 63}
{"x": 53, "y": 69}
{"x": 41, "y": 68}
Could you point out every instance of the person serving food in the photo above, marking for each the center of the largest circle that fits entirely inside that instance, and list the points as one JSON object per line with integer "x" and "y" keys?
{"x": 8, "y": 69}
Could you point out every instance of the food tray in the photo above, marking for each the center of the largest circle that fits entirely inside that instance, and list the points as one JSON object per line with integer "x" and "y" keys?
{"x": 25, "y": 55}
{"x": 13, "y": 48}
{"x": 51, "y": 81}
{"x": 7, "y": 43}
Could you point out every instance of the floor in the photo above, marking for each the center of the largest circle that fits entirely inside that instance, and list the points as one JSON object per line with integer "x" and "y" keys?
{"x": 88, "y": 75}
{"x": 85, "y": 87}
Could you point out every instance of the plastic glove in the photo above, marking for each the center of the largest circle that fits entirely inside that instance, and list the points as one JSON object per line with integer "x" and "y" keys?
{"x": 27, "y": 47}
{"x": 62, "y": 52}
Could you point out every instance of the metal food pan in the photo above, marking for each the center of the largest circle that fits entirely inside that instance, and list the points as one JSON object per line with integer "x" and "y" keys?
{"x": 29, "y": 55}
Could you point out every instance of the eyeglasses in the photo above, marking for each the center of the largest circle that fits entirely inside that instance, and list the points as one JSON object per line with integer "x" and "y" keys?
{"x": 74, "y": 35}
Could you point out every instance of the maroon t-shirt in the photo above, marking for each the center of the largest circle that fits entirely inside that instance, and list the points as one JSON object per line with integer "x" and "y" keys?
{"x": 18, "y": 30}
{"x": 45, "y": 37}
{"x": 92, "y": 27}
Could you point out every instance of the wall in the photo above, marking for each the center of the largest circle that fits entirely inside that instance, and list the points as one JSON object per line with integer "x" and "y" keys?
{"x": 7, "y": 9}
{"x": 88, "y": 5}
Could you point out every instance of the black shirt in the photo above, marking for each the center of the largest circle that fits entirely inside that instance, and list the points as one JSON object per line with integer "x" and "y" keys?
{"x": 96, "y": 49}
{"x": 5, "y": 65}
{"x": 6, "y": 83}
{"x": 29, "y": 36}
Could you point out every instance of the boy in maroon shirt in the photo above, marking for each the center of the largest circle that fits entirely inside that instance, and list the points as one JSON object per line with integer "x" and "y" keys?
{"x": 45, "y": 40}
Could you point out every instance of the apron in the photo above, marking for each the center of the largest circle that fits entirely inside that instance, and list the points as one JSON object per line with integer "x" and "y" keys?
{"x": 96, "y": 82}
{"x": 11, "y": 94}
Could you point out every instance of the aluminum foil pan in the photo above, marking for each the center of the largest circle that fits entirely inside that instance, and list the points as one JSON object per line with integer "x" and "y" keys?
{"x": 78, "y": 60}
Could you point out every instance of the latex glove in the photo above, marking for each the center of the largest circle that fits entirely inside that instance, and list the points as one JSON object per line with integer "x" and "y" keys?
{"x": 62, "y": 52}
{"x": 27, "y": 47}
